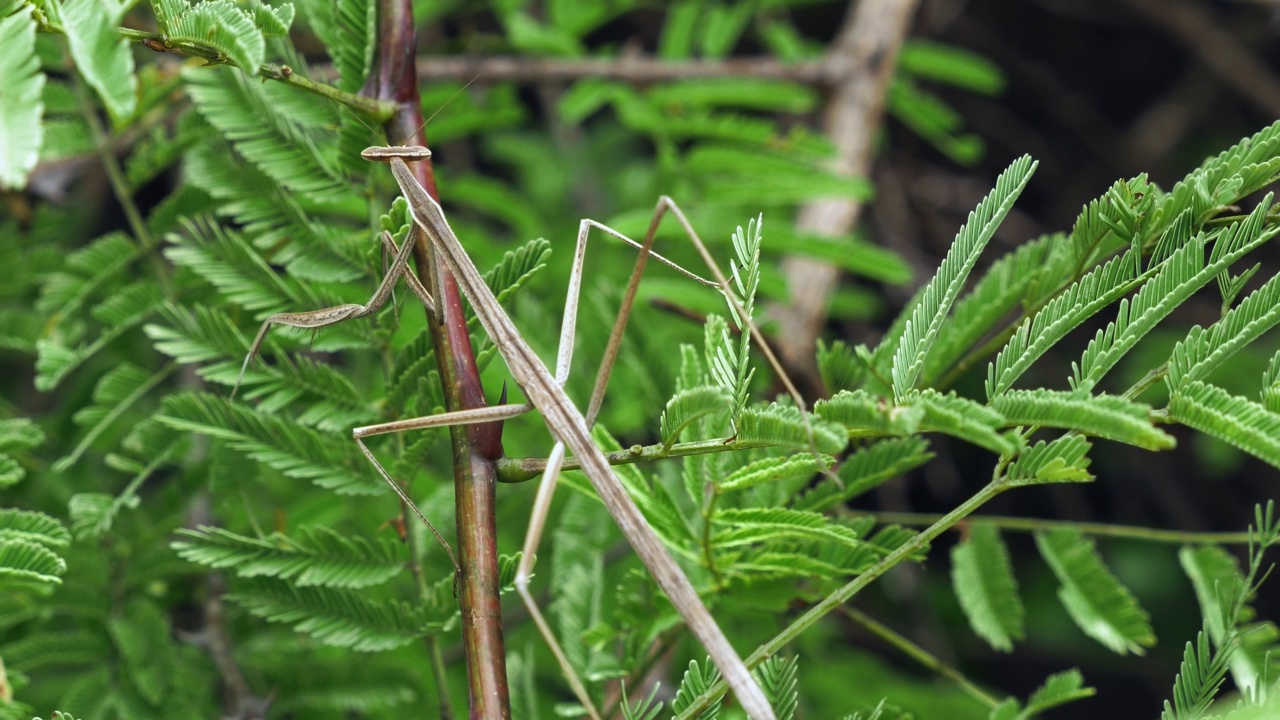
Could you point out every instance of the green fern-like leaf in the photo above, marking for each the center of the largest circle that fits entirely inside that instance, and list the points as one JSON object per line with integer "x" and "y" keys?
{"x": 1100, "y": 606}
{"x": 119, "y": 314}
{"x": 863, "y": 413}
{"x": 24, "y": 561}
{"x": 951, "y": 65}
{"x": 782, "y": 425}
{"x": 697, "y": 679}
{"x": 1058, "y": 689}
{"x": 1244, "y": 168}
{"x": 115, "y": 394}
{"x": 332, "y": 402}
{"x": 752, "y": 525}
{"x": 688, "y": 406}
{"x": 100, "y": 52}
{"x": 1218, "y": 582}
{"x": 227, "y": 261}
{"x": 16, "y": 434}
{"x": 646, "y": 709}
{"x": 313, "y": 556}
{"x": 965, "y": 419}
{"x": 1204, "y": 350}
{"x": 1035, "y": 336}
{"x": 1185, "y": 272}
{"x": 982, "y": 578}
{"x": 240, "y": 108}
{"x": 349, "y": 36}
{"x": 296, "y": 451}
{"x": 839, "y": 367}
{"x": 21, "y": 132}
{"x": 20, "y": 434}
{"x": 86, "y": 271}
{"x": 867, "y": 469}
{"x": 746, "y": 93}
{"x": 273, "y": 21}
{"x": 1199, "y": 678}
{"x": 1236, "y": 420}
{"x": 928, "y": 315}
{"x": 996, "y": 294}
{"x": 334, "y": 616}
{"x": 93, "y": 514}
{"x": 775, "y": 469}
{"x": 737, "y": 176}
{"x": 34, "y": 527}
{"x": 217, "y": 24}
{"x": 517, "y": 267}
{"x": 55, "y": 649}
{"x": 141, "y": 636}
{"x": 777, "y": 677}
{"x": 275, "y": 218}
{"x": 777, "y": 565}
{"x": 1065, "y": 459}
{"x": 1104, "y": 416}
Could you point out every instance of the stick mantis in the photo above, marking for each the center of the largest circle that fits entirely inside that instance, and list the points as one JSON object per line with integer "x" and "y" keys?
{"x": 545, "y": 393}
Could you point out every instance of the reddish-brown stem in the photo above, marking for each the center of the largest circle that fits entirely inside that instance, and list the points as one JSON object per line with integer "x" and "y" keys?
{"x": 475, "y": 447}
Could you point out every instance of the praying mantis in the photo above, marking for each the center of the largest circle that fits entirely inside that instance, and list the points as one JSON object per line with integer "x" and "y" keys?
{"x": 545, "y": 393}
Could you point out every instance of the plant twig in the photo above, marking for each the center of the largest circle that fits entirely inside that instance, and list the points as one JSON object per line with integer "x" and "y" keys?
{"x": 393, "y": 79}
{"x": 633, "y": 69}
{"x": 864, "y": 57}
{"x": 842, "y": 595}
{"x": 371, "y": 109}
{"x": 920, "y": 655}
{"x": 515, "y": 470}
{"x": 1130, "y": 532}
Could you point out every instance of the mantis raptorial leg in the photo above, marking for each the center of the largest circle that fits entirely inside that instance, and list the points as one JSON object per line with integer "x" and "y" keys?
{"x": 569, "y": 426}
{"x": 316, "y": 319}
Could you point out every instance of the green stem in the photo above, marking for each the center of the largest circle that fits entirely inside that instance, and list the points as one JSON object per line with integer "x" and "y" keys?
{"x": 437, "y": 673}
{"x": 922, "y": 656}
{"x": 119, "y": 186}
{"x": 1017, "y": 524}
{"x": 838, "y": 598}
{"x": 375, "y": 111}
{"x": 708, "y": 553}
{"x": 514, "y": 470}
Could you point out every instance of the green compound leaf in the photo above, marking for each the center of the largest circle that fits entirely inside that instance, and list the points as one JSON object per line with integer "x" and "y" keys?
{"x": 934, "y": 303}
{"x": 1104, "y": 416}
{"x": 1103, "y": 608}
{"x": 21, "y": 132}
{"x": 23, "y": 561}
{"x": 1236, "y": 420}
{"x": 312, "y": 556}
{"x": 101, "y": 54}
{"x": 1063, "y": 460}
{"x": 982, "y": 578}
{"x": 217, "y": 24}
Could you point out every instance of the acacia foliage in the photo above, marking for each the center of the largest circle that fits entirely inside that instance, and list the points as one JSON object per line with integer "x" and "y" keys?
{"x": 139, "y": 333}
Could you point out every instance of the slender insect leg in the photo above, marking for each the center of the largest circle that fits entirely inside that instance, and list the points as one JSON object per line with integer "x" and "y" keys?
{"x": 564, "y": 359}
{"x": 493, "y": 413}
{"x": 550, "y": 477}
{"x": 316, "y": 319}
{"x": 524, "y": 572}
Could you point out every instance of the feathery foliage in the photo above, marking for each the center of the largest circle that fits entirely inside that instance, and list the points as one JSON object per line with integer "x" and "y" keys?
{"x": 982, "y": 577}
{"x": 270, "y": 209}
{"x": 1104, "y": 416}
{"x": 21, "y": 132}
{"x": 929, "y": 313}
{"x": 1098, "y": 603}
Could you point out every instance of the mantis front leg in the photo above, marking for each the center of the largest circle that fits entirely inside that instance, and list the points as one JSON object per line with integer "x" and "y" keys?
{"x": 316, "y": 319}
